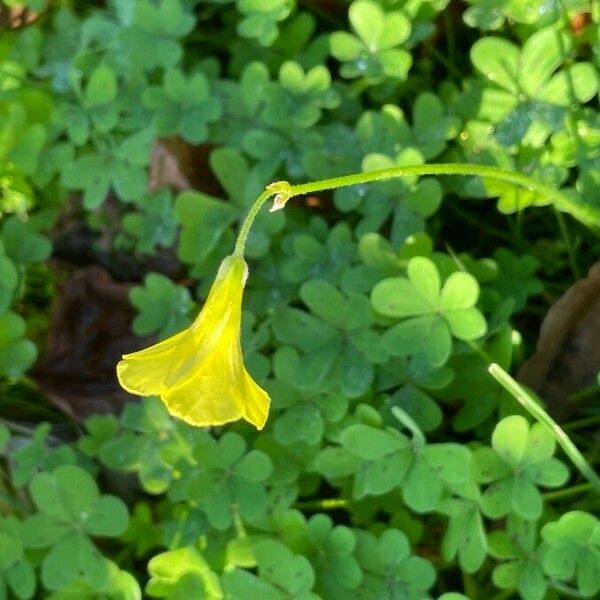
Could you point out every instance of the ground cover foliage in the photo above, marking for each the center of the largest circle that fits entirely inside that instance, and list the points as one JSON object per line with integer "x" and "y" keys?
{"x": 134, "y": 136}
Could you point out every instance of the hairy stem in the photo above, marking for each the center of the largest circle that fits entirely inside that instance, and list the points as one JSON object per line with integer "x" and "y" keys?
{"x": 285, "y": 191}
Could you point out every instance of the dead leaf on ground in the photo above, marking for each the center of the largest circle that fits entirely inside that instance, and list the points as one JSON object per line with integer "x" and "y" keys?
{"x": 567, "y": 358}
{"x": 175, "y": 163}
{"x": 89, "y": 331}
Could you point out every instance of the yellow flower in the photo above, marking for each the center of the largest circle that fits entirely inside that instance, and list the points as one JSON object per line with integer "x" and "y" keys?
{"x": 199, "y": 373}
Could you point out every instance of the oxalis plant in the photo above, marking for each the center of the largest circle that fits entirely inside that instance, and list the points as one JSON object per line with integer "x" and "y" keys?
{"x": 375, "y": 446}
{"x": 200, "y": 376}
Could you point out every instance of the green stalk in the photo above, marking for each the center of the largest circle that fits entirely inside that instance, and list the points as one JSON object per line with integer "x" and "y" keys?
{"x": 240, "y": 243}
{"x": 519, "y": 393}
{"x": 283, "y": 191}
{"x": 582, "y": 488}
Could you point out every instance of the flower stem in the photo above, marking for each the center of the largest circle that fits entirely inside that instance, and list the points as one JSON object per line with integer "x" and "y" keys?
{"x": 325, "y": 504}
{"x": 582, "y": 488}
{"x": 240, "y": 243}
{"x": 527, "y": 400}
{"x": 285, "y": 191}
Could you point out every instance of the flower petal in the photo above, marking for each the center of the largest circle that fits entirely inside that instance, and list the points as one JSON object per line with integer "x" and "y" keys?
{"x": 256, "y": 402}
{"x": 143, "y": 373}
{"x": 219, "y": 391}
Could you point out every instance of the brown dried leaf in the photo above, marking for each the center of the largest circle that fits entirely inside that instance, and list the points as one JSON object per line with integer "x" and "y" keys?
{"x": 175, "y": 163}
{"x": 90, "y": 330}
{"x": 567, "y": 358}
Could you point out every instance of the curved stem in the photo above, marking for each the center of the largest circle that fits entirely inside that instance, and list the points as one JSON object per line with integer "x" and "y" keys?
{"x": 436, "y": 169}
{"x": 285, "y": 191}
{"x": 240, "y": 242}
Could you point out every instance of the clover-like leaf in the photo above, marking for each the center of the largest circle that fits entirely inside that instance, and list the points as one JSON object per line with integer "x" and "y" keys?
{"x": 183, "y": 106}
{"x": 373, "y": 53}
{"x": 22, "y": 241}
{"x": 101, "y": 88}
{"x": 16, "y": 572}
{"x": 154, "y": 223}
{"x": 204, "y": 229}
{"x": 228, "y": 479}
{"x": 341, "y": 342}
{"x": 261, "y": 19}
{"x": 573, "y": 551}
{"x": 153, "y": 38}
{"x": 8, "y": 279}
{"x": 17, "y": 354}
{"x": 279, "y": 570}
{"x": 521, "y": 460}
{"x": 298, "y": 98}
{"x": 432, "y": 316}
{"x": 522, "y": 569}
{"x": 465, "y": 536}
{"x": 163, "y": 306}
{"x": 82, "y": 507}
{"x": 387, "y": 561}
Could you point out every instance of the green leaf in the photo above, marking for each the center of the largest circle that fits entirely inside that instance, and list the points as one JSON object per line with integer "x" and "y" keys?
{"x": 101, "y": 88}
{"x": 163, "y": 306}
{"x": 41, "y": 530}
{"x": 204, "y": 221}
{"x": 387, "y": 562}
{"x": 154, "y": 224}
{"x": 255, "y": 466}
{"x": 48, "y": 492}
{"x": 22, "y": 242}
{"x": 368, "y": 20}
{"x": 498, "y": 60}
{"x": 397, "y": 297}
{"x": 8, "y": 281}
{"x": 21, "y": 579}
{"x": 4, "y": 436}
{"x": 424, "y": 275}
{"x": 108, "y": 517}
{"x": 279, "y": 566}
{"x": 334, "y": 463}
{"x": 300, "y": 423}
{"x": 468, "y": 324}
{"x": 574, "y": 550}
{"x": 90, "y": 173}
{"x": 16, "y": 354}
{"x": 344, "y": 45}
{"x": 324, "y": 300}
{"x": 374, "y": 53}
{"x": 460, "y": 291}
{"x": 510, "y": 439}
{"x": 541, "y": 55}
{"x": 419, "y": 405}
{"x": 370, "y": 443}
{"x": 261, "y": 19}
{"x": 11, "y": 550}
{"x": 465, "y": 535}
{"x": 167, "y": 17}
{"x": 74, "y": 556}
{"x": 450, "y": 462}
{"x": 576, "y": 83}
{"x": 526, "y": 500}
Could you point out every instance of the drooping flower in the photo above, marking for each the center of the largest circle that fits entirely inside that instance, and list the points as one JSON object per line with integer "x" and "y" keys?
{"x": 199, "y": 373}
